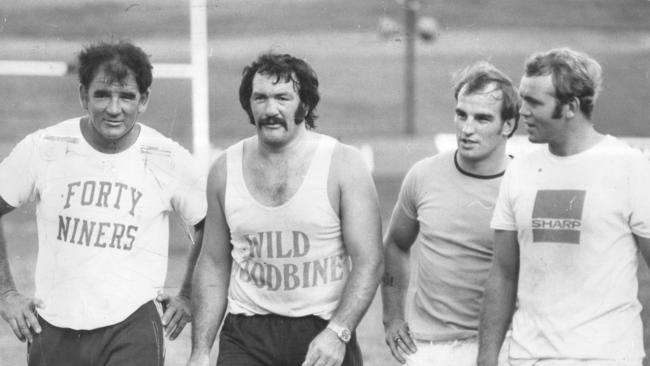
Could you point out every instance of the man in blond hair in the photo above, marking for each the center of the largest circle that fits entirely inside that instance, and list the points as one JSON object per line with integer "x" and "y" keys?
{"x": 570, "y": 221}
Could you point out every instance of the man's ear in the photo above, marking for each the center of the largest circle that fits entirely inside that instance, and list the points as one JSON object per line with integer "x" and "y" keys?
{"x": 144, "y": 101}
{"x": 83, "y": 97}
{"x": 507, "y": 127}
{"x": 572, "y": 108}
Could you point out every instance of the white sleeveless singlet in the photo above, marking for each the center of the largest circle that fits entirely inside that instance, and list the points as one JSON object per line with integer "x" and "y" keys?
{"x": 290, "y": 259}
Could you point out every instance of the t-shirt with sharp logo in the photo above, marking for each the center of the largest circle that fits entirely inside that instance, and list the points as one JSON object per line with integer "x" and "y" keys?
{"x": 576, "y": 218}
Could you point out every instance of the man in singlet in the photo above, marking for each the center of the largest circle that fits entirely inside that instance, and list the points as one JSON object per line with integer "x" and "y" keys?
{"x": 293, "y": 236}
{"x": 440, "y": 225}
{"x": 104, "y": 186}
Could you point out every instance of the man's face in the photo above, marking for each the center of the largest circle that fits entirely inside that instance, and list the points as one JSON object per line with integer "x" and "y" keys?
{"x": 274, "y": 105}
{"x": 113, "y": 106}
{"x": 538, "y": 104}
{"x": 480, "y": 131}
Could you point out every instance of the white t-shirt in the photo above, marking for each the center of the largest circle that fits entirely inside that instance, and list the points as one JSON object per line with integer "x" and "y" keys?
{"x": 290, "y": 259}
{"x": 103, "y": 219}
{"x": 575, "y": 217}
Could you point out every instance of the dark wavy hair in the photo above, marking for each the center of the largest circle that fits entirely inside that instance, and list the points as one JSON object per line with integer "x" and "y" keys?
{"x": 476, "y": 77}
{"x": 116, "y": 59}
{"x": 284, "y": 68}
{"x": 574, "y": 75}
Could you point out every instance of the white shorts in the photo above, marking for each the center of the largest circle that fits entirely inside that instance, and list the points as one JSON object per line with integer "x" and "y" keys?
{"x": 461, "y": 352}
{"x": 557, "y": 362}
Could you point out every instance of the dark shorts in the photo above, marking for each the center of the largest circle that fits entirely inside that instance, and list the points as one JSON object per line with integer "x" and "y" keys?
{"x": 136, "y": 341}
{"x": 273, "y": 340}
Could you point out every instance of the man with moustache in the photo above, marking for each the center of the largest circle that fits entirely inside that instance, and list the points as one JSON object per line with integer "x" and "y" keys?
{"x": 293, "y": 234}
{"x": 570, "y": 220}
{"x": 104, "y": 186}
{"x": 443, "y": 213}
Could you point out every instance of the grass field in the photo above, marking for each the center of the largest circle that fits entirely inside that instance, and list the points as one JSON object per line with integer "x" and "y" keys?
{"x": 361, "y": 83}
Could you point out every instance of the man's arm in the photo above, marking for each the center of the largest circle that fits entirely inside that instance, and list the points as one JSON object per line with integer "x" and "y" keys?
{"x": 500, "y": 297}
{"x": 361, "y": 231}
{"x": 644, "y": 247}
{"x": 212, "y": 273}
{"x": 401, "y": 234}
{"x": 17, "y": 310}
{"x": 177, "y": 311}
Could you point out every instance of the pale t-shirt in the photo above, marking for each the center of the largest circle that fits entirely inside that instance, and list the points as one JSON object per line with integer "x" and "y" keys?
{"x": 575, "y": 217}
{"x": 453, "y": 250}
{"x": 102, "y": 219}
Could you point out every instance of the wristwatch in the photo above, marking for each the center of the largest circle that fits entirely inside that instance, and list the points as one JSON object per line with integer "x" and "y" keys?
{"x": 342, "y": 332}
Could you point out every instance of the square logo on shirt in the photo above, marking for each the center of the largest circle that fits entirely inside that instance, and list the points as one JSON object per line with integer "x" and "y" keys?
{"x": 557, "y": 216}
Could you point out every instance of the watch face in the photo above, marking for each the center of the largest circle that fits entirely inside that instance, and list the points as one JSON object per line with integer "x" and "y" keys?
{"x": 345, "y": 335}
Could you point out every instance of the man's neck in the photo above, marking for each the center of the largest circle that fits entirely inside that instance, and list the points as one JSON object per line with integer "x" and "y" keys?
{"x": 493, "y": 165}
{"x": 578, "y": 138}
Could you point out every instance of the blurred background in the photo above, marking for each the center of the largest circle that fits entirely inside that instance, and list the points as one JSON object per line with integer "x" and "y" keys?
{"x": 358, "y": 48}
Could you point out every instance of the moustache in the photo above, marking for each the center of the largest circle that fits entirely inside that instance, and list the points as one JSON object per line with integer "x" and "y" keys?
{"x": 273, "y": 121}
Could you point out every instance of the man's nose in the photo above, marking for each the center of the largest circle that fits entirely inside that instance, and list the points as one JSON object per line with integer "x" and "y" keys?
{"x": 271, "y": 108}
{"x": 469, "y": 126}
{"x": 113, "y": 106}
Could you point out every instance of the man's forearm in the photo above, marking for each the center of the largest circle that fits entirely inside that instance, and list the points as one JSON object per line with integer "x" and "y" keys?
{"x": 359, "y": 291}
{"x": 209, "y": 299}
{"x": 395, "y": 282}
{"x": 195, "y": 250}
{"x": 6, "y": 279}
{"x": 496, "y": 315}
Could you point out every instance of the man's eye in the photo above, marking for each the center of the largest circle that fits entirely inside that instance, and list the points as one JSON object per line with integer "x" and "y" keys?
{"x": 532, "y": 102}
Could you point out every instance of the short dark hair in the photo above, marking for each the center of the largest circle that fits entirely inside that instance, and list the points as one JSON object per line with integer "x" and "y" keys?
{"x": 286, "y": 68}
{"x": 117, "y": 59}
{"x": 574, "y": 75}
{"x": 477, "y": 76}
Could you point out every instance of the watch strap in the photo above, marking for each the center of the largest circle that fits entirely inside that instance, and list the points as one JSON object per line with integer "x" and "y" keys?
{"x": 342, "y": 332}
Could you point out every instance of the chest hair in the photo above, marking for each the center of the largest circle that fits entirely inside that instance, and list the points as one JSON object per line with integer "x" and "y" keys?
{"x": 274, "y": 181}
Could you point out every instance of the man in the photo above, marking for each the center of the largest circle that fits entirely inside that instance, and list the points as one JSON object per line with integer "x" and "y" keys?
{"x": 104, "y": 186}
{"x": 293, "y": 233}
{"x": 569, "y": 222}
{"x": 444, "y": 207}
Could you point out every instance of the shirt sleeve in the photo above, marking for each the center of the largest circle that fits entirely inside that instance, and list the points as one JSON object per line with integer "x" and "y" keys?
{"x": 188, "y": 196}
{"x": 640, "y": 199}
{"x": 17, "y": 173}
{"x": 503, "y": 217}
{"x": 407, "y": 199}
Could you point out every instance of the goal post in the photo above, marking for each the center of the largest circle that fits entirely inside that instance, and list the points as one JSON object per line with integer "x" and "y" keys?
{"x": 200, "y": 90}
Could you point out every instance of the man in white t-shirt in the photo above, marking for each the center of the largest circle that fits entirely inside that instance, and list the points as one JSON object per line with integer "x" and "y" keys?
{"x": 570, "y": 221}
{"x": 104, "y": 187}
{"x": 292, "y": 249}
{"x": 440, "y": 225}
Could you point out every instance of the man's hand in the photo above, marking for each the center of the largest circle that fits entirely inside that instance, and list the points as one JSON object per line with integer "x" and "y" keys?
{"x": 176, "y": 313}
{"x": 399, "y": 340}
{"x": 325, "y": 350}
{"x": 20, "y": 312}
